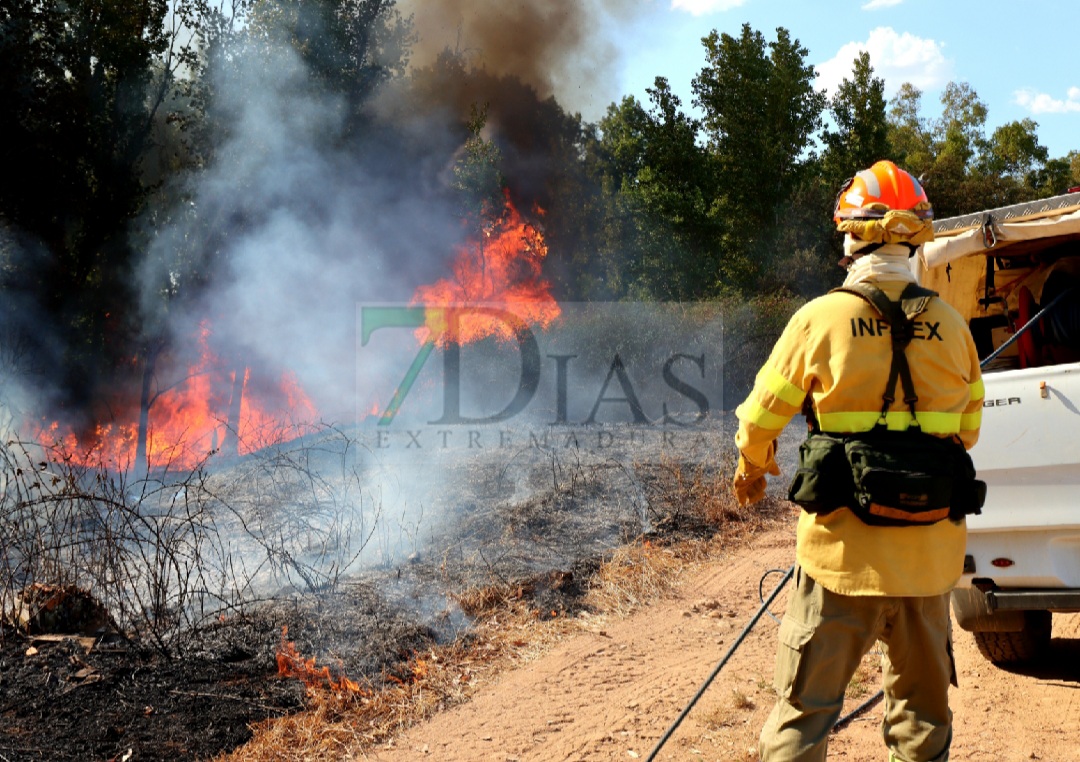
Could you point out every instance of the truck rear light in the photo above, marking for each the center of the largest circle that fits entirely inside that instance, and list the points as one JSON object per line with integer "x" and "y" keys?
{"x": 1002, "y": 563}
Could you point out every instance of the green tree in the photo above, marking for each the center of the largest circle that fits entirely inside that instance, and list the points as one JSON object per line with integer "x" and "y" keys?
{"x": 861, "y": 130}
{"x": 1054, "y": 178}
{"x": 350, "y": 47}
{"x": 1014, "y": 156}
{"x": 960, "y": 132}
{"x": 761, "y": 113}
{"x": 910, "y": 138}
{"x": 77, "y": 82}
{"x": 477, "y": 176}
{"x": 660, "y": 180}
{"x": 614, "y": 155}
{"x": 1014, "y": 150}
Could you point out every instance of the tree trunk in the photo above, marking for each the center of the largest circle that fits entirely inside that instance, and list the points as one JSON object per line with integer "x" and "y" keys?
{"x": 142, "y": 463}
{"x": 230, "y": 446}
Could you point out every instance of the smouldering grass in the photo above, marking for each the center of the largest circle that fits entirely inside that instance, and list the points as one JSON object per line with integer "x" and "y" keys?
{"x": 508, "y": 631}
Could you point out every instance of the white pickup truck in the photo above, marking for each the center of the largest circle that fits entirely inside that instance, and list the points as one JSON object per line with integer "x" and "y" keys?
{"x": 1001, "y": 268}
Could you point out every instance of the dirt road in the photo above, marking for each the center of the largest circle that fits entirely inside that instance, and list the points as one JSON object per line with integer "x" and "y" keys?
{"x": 610, "y": 691}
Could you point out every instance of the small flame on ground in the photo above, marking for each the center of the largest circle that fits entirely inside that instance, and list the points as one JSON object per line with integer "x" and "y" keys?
{"x": 418, "y": 669}
{"x": 500, "y": 270}
{"x": 291, "y": 664}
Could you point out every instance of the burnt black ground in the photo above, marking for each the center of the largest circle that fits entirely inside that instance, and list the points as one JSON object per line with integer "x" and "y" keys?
{"x": 65, "y": 704}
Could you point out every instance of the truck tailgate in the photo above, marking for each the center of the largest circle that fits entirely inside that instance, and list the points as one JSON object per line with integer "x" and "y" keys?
{"x": 1029, "y": 455}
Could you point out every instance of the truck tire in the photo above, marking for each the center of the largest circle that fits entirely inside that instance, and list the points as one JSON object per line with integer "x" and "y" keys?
{"x": 1024, "y": 645}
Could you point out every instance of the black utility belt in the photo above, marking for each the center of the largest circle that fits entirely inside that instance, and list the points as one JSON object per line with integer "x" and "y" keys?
{"x": 887, "y": 478}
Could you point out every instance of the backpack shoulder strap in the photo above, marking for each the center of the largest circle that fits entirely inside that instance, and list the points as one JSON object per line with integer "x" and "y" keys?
{"x": 877, "y": 299}
{"x": 914, "y": 299}
{"x": 900, "y": 316}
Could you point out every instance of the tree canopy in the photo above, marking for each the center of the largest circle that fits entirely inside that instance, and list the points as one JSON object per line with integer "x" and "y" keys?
{"x": 139, "y": 151}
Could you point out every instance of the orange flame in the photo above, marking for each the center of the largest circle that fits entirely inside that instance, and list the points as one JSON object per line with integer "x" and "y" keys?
{"x": 420, "y": 669}
{"x": 500, "y": 270}
{"x": 291, "y": 664}
{"x": 417, "y": 669}
{"x": 189, "y": 421}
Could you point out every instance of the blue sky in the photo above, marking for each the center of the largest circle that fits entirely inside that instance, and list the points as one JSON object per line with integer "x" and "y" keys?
{"x": 1019, "y": 57}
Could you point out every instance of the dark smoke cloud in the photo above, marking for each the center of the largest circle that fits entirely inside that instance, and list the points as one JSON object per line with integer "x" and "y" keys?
{"x": 561, "y": 48}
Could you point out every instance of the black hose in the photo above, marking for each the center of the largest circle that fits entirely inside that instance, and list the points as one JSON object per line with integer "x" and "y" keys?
{"x": 1025, "y": 327}
{"x": 858, "y": 710}
{"x": 761, "y": 590}
{"x": 716, "y": 671}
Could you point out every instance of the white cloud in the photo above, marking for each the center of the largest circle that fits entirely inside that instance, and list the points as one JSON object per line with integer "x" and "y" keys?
{"x": 873, "y": 5}
{"x": 896, "y": 57}
{"x": 702, "y": 7}
{"x": 1042, "y": 103}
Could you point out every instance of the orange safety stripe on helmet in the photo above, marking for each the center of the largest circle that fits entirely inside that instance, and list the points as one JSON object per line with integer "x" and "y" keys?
{"x": 882, "y": 188}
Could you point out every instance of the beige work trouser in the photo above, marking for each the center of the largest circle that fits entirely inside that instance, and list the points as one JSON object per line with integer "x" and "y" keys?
{"x": 824, "y": 636}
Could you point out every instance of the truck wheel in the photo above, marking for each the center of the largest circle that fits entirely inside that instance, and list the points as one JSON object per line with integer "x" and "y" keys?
{"x": 1023, "y": 645}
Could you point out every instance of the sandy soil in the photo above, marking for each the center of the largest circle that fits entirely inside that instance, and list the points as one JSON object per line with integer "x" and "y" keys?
{"x": 610, "y": 691}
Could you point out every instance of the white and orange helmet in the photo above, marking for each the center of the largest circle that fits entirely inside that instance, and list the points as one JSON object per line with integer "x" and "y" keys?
{"x": 882, "y": 188}
{"x": 884, "y": 204}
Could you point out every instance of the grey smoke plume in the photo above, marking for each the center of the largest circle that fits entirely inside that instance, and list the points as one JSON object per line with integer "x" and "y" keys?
{"x": 306, "y": 230}
{"x": 304, "y": 224}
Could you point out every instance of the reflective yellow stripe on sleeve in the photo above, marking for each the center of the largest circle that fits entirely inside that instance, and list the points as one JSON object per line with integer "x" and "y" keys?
{"x": 780, "y": 387}
{"x": 931, "y": 423}
{"x": 751, "y": 412}
{"x": 976, "y": 390}
{"x": 971, "y": 421}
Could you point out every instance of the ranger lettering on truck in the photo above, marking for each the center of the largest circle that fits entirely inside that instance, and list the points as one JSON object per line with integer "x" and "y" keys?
{"x": 1001, "y": 403}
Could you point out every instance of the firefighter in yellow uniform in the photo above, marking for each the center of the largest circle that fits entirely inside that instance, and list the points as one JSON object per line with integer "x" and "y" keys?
{"x": 856, "y": 584}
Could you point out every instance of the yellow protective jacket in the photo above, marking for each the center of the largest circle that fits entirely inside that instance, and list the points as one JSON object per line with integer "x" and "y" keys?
{"x": 838, "y": 350}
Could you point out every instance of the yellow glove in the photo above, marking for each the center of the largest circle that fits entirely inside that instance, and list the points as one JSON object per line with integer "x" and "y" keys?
{"x": 749, "y": 483}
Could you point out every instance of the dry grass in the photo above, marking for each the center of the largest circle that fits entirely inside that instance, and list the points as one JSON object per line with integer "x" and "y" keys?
{"x": 484, "y": 599}
{"x": 342, "y": 725}
{"x": 636, "y": 574}
{"x": 729, "y": 714}
{"x": 719, "y": 717}
{"x": 338, "y": 723}
{"x": 700, "y": 495}
{"x": 741, "y": 700}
